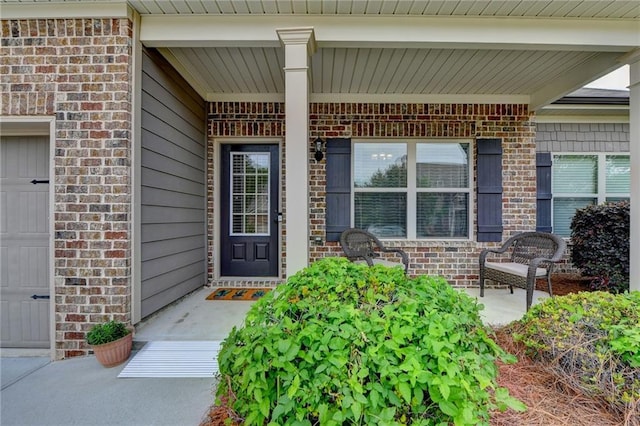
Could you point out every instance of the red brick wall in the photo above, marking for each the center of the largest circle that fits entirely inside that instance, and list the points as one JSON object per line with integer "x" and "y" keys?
{"x": 80, "y": 72}
{"x": 456, "y": 260}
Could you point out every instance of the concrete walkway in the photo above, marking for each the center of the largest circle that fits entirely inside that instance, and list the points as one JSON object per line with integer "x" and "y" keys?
{"x": 79, "y": 391}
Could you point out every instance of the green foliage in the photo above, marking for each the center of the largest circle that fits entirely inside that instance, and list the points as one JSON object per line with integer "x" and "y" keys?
{"x": 600, "y": 238}
{"x": 591, "y": 340}
{"x": 107, "y": 332}
{"x": 342, "y": 343}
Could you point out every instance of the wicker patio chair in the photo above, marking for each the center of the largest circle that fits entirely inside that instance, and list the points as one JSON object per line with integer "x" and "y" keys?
{"x": 532, "y": 256}
{"x": 359, "y": 245}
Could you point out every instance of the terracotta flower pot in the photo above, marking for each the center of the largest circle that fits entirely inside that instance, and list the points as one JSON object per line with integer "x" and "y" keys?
{"x": 114, "y": 353}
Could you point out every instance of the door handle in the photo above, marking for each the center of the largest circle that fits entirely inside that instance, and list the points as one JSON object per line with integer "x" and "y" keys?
{"x": 38, "y": 296}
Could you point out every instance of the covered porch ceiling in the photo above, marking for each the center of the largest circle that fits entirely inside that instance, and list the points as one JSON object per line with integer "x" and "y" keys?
{"x": 508, "y": 51}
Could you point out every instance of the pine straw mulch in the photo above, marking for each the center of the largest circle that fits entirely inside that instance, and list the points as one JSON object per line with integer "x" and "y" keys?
{"x": 550, "y": 402}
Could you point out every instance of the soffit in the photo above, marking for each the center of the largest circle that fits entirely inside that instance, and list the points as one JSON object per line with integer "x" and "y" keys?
{"x": 507, "y": 8}
{"x": 392, "y": 50}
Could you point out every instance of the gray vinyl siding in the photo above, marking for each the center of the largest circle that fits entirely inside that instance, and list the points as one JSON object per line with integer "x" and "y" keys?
{"x": 173, "y": 200}
{"x": 582, "y": 137}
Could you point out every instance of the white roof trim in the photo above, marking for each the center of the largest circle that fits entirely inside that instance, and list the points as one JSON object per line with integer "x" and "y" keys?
{"x": 65, "y": 10}
{"x": 384, "y": 31}
{"x": 568, "y": 83}
{"x": 193, "y": 81}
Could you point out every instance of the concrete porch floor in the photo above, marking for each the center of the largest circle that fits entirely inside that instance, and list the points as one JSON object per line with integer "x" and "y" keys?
{"x": 195, "y": 318}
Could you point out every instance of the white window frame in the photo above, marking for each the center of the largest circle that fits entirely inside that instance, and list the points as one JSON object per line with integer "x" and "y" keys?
{"x": 412, "y": 190}
{"x": 231, "y": 193}
{"x": 601, "y": 185}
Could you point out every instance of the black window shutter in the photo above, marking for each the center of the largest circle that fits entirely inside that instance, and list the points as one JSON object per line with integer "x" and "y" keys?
{"x": 543, "y": 194}
{"x": 489, "y": 189}
{"x": 338, "y": 180}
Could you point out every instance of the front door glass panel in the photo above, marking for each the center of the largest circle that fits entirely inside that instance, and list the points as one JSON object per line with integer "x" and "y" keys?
{"x": 250, "y": 193}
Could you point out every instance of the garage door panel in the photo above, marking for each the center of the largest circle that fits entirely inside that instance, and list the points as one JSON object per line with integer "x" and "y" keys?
{"x": 35, "y": 312}
{"x": 25, "y": 267}
{"x": 24, "y": 242}
{"x": 26, "y": 211}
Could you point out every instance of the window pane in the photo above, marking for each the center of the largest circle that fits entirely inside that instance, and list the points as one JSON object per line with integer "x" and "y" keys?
{"x": 618, "y": 174}
{"x": 250, "y": 224}
{"x": 616, "y": 199}
{"x": 238, "y": 224}
{"x": 249, "y": 193}
{"x": 575, "y": 174}
{"x": 262, "y": 224}
{"x": 442, "y": 165}
{"x": 380, "y": 165}
{"x": 382, "y": 214}
{"x": 442, "y": 214}
{"x": 563, "y": 211}
{"x": 250, "y": 185}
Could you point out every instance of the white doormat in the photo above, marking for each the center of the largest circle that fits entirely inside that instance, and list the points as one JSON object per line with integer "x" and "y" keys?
{"x": 174, "y": 359}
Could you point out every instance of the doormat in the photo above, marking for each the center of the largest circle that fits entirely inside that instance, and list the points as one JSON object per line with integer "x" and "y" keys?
{"x": 230, "y": 293}
{"x": 174, "y": 359}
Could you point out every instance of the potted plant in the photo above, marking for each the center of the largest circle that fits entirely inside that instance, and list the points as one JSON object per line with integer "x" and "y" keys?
{"x": 111, "y": 342}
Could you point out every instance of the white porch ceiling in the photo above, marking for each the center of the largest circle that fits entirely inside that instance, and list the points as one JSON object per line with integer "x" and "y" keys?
{"x": 526, "y": 51}
{"x": 508, "y": 8}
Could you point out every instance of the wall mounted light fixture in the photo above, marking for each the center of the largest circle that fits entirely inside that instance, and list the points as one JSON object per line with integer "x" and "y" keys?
{"x": 319, "y": 155}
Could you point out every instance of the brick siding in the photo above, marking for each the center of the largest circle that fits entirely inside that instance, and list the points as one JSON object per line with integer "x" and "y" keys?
{"x": 456, "y": 260}
{"x": 80, "y": 72}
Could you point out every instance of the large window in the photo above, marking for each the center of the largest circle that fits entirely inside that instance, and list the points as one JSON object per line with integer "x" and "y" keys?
{"x": 412, "y": 189}
{"x": 581, "y": 180}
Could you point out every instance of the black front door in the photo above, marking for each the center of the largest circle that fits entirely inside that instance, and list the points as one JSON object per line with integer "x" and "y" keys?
{"x": 249, "y": 211}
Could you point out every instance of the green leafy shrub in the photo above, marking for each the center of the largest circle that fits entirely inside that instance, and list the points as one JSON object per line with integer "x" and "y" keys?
{"x": 591, "y": 340}
{"x": 600, "y": 239}
{"x": 107, "y": 332}
{"x": 342, "y": 343}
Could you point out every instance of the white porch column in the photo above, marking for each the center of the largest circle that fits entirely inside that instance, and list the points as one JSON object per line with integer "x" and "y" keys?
{"x": 299, "y": 45}
{"x": 634, "y": 139}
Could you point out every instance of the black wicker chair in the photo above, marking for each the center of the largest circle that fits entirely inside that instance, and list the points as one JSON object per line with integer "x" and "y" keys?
{"x": 359, "y": 245}
{"x": 532, "y": 256}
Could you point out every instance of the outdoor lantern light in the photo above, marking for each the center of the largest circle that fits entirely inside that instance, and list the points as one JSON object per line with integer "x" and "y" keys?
{"x": 318, "y": 144}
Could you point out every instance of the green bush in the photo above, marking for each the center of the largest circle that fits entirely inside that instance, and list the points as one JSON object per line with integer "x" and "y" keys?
{"x": 107, "y": 332}
{"x": 600, "y": 239}
{"x": 342, "y": 343}
{"x": 591, "y": 340}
